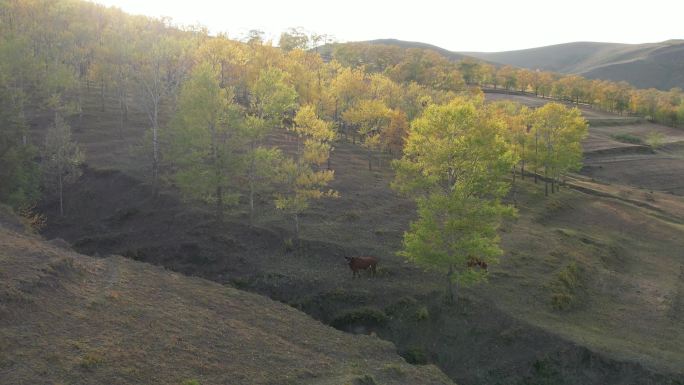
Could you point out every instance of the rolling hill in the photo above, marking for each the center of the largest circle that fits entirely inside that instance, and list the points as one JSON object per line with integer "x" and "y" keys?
{"x": 414, "y": 44}
{"x": 658, "y": 65}
{"x": 70, "y": 318}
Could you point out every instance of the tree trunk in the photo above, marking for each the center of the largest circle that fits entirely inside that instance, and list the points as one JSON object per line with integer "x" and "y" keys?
{"x": 155, "y": 150}
{"x": 61, "y": 195}
{"x": 522, "y": 162}
{"x": 513, "y": 172}
{"x": 546, "y": 183}
{"x": 123, "y": 113}
{"x": 536, "y": 157}
{"x": 370, "y": 161}
{"x": 329, "y": 165}
{"x": 296, "y": 227}
{"x": 450, "y": 285}
{"x": 251, "y": 203}
{"x": 80, "y": 103}
{"x": 102, "y": 94}
{"x": 219, "y": 204}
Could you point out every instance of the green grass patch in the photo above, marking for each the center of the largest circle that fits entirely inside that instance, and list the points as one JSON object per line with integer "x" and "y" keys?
{"x": 628, "y": 138}
{"x": 91, "y": 361}
{"x": 365, "y": 380}
{"x": 415, "y": 356}
{"x": 394, "y": 370}
{"x": 565, "y": 288}
{"x": 422, "y": 313}
{"x": 368, "y": 316}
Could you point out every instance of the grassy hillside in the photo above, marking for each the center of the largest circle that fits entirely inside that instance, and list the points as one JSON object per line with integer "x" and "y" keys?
{"x": 623, "y": 240}
{"x": 658, "y": 65}
{"x": 69, "y": 318}
{"x": 588, "y": 291}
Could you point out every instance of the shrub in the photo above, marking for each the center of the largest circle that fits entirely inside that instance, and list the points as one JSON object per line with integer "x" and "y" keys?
{"x": 649, "y": 196}
{"x": 655, "y": 139}
{"x": 91, "y": 361}
{"x": 33, "y": 220}
{"x": 565, "y": 287}
{"x": 365, "y": 380}
{"x": 415, "y": 356}
{"x": 364, "y": 316}
{"x": 627, "y": 138}
{"x": 394, "y": 370}
{"x": 422, "y": 313}
{"x": 288, "y": 244}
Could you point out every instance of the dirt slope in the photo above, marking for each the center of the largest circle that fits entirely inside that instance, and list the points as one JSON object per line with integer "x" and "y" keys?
{"x": 69, "y": 318}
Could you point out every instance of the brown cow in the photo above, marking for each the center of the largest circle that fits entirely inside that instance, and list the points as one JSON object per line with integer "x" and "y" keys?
{"x": 362, "y": 263}
{"x": 472, "y": 262}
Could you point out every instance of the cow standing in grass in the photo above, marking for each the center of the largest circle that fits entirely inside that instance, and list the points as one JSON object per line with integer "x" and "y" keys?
{"x": 362, "y": 263}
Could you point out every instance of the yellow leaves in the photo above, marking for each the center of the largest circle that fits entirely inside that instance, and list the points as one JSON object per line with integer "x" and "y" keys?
{"x": 308, "y": 179}
{"x": 348, "y": 84}
{"x": 456, "y": 143}
{"x": 315, "y": 152}
{"x": 303, "y": 183}
{"x": 222, "y": 54}
{"x": 308, "y": 125}
{"x": 317, "y": 135}
{"x": 368, "y": 113}
{"x": 383, "y": 88}
{"x": 454, "y": 165}
{"x": 559, "y": 131}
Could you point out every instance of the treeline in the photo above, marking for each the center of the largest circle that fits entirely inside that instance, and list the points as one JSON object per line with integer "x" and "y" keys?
{"x": 666, "y": 107}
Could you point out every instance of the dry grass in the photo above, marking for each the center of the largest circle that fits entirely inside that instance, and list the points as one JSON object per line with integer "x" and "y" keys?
{"x": 627, "y": 259}
{"x": 68, "y": 318}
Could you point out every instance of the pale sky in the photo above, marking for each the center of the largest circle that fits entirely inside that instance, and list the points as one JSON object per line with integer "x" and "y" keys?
{"x": 472, "y": 25}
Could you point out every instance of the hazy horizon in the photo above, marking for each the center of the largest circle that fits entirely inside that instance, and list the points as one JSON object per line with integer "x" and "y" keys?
{"x": 521, "y": 25}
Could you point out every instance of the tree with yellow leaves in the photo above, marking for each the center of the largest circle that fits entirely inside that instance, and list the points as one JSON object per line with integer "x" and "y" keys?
{"x": 303, "y": 180}
{"x": 370, "y": 117}
{"x": 454, "y": 165}
{"x": 558, "y": 132}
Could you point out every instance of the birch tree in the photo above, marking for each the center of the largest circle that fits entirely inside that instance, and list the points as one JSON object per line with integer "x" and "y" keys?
{"x": 558, "y": 133}
{"x": 158, "y": 74}
{"x": 206, "y": 140}
{"x": 303, "y": 180}
{"x": 62, "y": 158}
